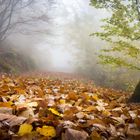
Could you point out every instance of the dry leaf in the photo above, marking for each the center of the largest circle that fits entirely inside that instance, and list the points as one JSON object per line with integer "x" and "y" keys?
{"x": 95, "y": 97}
{"x": 28, "y": 112}
{"x": 137, "y": 122}
{"x": 25, "y": 129}
{"x": 72, "y": 134}
{"x": 6, "y": 104}
{"x": 133, "y": 134}
{"x": 55, "y": 112}
{"x": 119, "y": 120}
{"x": 95, "y": 136}
{"x": 106, "y": 113}
{"x": 72, "y": 96}
{"x": 83, "y": 105}
{"x": 91, "y": 108}
{"x": 48, "y": 131}
{"x": 113, "y": 130}
{"x": 80, "y": 115}
{"x": 62, "y": 101}
{"x": 32, "y": 104}
{"x": 11, "y": 120}
{"x": 133, "y": 114}
{"x": 6, "y": 110}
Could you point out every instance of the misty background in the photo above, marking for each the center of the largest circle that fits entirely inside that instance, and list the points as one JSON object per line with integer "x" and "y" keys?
{"x": 54, "y": 35}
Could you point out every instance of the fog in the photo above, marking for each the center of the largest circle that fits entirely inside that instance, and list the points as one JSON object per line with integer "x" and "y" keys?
{"x": 56, "y": 35}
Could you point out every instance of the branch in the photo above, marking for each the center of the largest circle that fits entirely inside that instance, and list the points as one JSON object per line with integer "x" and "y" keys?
{"x": 7, "y": 8}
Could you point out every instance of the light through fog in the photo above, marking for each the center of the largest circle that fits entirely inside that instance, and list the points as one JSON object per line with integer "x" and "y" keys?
{"x": 61, "y": 60}
{"x": 58, "y": 39}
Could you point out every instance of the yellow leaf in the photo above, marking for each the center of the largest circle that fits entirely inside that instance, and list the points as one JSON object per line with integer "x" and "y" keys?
{"x": 55, "y": 112}
{"x": 19, "y": 90}
{"x": 25, "y": 129}
{"x": 95, "y": 97}
{"x": 62, "y": 101}
{"x": 90, "y": 108}
{"x": 85, "y": 96}
{"x": 6, "y": 104}
{"x": 106, "y": 113}
{"x": 47, "y": 131}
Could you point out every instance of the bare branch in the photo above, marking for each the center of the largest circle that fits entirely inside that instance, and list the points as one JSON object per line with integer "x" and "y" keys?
{"x": 7, "y": 9}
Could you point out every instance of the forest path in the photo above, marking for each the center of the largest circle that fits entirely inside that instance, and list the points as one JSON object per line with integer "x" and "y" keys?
{"x": 64, "y": 106}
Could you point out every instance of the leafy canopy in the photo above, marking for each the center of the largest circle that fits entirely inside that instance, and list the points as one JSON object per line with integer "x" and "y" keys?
{"x": 122, "y": 30}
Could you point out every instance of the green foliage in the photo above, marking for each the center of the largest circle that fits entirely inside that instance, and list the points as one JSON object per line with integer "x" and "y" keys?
{"x": 117, "y": 61}
{"x": 121, "y": 29}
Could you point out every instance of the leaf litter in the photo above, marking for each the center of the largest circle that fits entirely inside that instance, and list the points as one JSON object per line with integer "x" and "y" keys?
{"x": 45, "y": 108}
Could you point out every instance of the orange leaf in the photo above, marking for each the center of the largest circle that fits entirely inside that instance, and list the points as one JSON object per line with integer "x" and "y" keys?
{"x": 6, "y": 104}
{"x": 72, "y": 96}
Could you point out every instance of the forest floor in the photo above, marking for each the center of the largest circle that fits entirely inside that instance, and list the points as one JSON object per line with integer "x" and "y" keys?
{"x": 64, "y": 107}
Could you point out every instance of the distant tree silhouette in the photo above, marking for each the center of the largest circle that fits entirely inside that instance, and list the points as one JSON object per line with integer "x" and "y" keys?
{"x": 7, "y": 9}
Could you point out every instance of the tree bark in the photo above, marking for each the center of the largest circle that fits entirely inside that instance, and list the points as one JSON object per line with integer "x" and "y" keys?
{"x": 135, "y": 98}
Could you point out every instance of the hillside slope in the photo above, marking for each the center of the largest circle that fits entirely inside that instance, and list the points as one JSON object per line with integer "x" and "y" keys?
{"x": 13, "y": 61}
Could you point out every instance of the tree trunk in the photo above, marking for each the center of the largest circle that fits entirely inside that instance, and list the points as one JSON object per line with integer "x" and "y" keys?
{"x": 135, "y": 98}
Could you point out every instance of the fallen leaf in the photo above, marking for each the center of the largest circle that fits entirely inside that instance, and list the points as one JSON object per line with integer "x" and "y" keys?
{"x": 48, "y": 131}
{"x": 91, "y": 108}
{"x": 28, "y": 112}
{"x": 137, "y": 122}
{"x": 95, "y": 97}
{"x": 6, "y": 110}
{"x": 132, "y": 114}
{"x": 95, "y": 121}
{"x": 72, "y": 134}
{"x": 118, "y": 120}
{"x": 11, "y": 120}
{"x": 133, "y": 134}
{"x": 20, "y": 91}
{"x": 6, "y": 104}
{"x": 25, "y": 129}
{"x": 106, "y": 113}
{"x": 72, "y": 96}
{"x": 113, "y": 130}
{"x": 95, "y": 136}
{"x": 32, "y": 104}
{"x": 100, "y": 108}
{"x": 21, "y": 99}
{"x": 80, "y": 115}
{"x": 62, "y": 101}
{"x": 55, "y": 112}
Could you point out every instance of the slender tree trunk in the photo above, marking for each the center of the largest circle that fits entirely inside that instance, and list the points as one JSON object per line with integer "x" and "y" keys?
{"x": 135, "y": 98}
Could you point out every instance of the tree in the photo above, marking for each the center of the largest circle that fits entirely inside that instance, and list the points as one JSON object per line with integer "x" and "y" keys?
{"x": 121, "y": 30}
{"x": 7, "y": 10}
{"x": 136, "y": 96}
